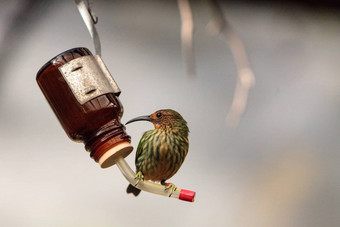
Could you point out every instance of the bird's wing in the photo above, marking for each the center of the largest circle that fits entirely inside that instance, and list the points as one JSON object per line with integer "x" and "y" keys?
{"x": 139, "y": 149}
{"x": 142, "y": 144}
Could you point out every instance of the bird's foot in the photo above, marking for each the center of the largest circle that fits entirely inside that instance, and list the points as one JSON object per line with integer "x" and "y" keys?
{"x": 139, "y": 176}
{"x": 171, "y": 187}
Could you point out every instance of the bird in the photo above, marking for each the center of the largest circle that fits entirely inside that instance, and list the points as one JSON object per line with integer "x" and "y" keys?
{"x": 161, "y": 151}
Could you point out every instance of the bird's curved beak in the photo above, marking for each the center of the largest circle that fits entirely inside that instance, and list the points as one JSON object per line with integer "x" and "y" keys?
{"x": 142, "y": 118}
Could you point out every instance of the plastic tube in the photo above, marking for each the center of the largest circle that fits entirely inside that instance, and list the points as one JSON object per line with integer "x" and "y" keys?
{"x": 129, "y": 174}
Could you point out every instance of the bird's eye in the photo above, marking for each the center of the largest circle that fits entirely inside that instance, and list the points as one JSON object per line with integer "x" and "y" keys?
{"x": 158, "y": 114}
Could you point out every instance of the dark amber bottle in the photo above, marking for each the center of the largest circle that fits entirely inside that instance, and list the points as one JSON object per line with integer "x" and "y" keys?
{"x": 84, "y": 97}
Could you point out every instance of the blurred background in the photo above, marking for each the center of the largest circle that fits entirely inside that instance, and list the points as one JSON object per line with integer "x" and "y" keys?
{"x": 279, "y": 167}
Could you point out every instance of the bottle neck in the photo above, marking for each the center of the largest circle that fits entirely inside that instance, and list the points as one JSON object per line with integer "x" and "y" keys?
{"x": 110, "y": 135}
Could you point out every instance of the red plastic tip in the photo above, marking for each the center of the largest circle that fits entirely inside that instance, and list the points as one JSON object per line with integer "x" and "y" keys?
{"x": 187, "y": 195}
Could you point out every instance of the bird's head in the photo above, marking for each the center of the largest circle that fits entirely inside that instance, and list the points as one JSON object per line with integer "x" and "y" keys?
{"x": 166, "y": 120}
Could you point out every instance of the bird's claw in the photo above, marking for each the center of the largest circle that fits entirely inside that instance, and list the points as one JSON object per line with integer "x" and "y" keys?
{"x": 139, "y": 176}
{"x": 170, "y": 187}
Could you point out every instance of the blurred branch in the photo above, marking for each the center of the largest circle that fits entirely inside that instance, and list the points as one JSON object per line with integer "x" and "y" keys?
{"x": 245, "y": 79}
{"x": 187, "y": 28}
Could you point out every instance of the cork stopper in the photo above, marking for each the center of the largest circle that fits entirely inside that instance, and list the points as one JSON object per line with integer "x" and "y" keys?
{"x": 109, "y": 157}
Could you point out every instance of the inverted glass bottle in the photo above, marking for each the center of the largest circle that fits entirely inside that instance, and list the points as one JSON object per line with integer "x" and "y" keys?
{"x": 84, "y": 97}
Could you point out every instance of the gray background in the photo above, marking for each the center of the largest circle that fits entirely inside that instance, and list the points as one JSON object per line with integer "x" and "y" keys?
{"x": 280, "y": 167}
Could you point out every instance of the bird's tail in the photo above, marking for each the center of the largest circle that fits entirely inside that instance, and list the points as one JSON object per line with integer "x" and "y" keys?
{"x": 133, "y": 190}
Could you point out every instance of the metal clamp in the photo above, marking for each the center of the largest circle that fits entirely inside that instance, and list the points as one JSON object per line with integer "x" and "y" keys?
{"x": 88, "y": 78}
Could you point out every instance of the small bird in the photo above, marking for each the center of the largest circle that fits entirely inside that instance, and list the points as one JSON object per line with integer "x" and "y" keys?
{"x": 161, "y": 151}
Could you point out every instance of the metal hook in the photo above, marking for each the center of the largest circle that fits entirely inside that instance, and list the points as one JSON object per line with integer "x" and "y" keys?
{"x": 90, "y": 20}
{"x": 93, "y": 15}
